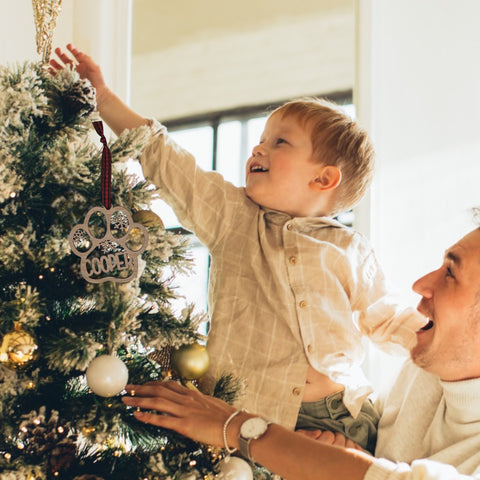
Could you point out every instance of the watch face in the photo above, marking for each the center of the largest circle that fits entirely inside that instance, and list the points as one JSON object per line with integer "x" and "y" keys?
{"x": 253, "y": 427}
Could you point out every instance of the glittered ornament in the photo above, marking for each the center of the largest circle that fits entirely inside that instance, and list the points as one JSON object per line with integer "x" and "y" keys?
{"x": 148, "y": 218}
{"x": 235, "y": 468}
{"x": 107, "y": 375}
{"x": 19, "y": 349}
{"x": 190, "y": 362}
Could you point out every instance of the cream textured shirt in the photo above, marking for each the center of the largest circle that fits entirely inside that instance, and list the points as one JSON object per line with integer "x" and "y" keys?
{"x": 428, "y": 430}
{"x": 282, "y": 290}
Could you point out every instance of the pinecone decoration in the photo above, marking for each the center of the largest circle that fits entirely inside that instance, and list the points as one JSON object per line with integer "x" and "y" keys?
{"x": 78, "y": 100}
{"x": 41, "y": 436}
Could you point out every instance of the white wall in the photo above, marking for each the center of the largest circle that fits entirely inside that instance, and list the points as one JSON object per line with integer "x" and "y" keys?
{"x": 419, "y": 95}
{"x": 285, "y": 56}
{"x": 418, "y": 92}
{"x": 17, "y": 32}
{"x": 100, "y": 27}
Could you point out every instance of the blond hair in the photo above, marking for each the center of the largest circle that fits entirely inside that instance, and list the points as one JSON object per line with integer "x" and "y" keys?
{"x": 336, "y": 140}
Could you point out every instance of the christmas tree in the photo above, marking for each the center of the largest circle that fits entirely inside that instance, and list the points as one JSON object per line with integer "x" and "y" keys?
{"x": 55, "y": 324}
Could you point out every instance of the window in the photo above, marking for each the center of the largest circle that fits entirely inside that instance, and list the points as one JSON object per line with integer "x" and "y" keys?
{"x": 221, "y": 142}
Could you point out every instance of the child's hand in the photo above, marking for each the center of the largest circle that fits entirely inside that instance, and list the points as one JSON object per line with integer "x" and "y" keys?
{"x": 330, "y": 438}
{"x": 117, "y": 114}
{"x": 82, "y": 63}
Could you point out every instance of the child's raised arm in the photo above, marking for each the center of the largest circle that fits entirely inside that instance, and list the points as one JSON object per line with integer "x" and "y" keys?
{"x": 112, "y": 109}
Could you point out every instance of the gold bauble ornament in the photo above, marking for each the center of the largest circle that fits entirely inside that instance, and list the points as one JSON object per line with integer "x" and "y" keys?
{"x": 148, "y": 218}
{"x": 19, "y": 349}
{"x": 190, "y": 362}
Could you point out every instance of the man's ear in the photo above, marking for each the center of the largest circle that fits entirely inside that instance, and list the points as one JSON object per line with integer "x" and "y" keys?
{"x": 327, "y": 178}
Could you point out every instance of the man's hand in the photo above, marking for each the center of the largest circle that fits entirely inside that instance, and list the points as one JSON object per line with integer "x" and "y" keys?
{"x": 188, "y": 412}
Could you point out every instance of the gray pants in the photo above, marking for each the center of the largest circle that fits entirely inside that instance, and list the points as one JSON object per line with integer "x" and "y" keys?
{"x": 331, "y": 414}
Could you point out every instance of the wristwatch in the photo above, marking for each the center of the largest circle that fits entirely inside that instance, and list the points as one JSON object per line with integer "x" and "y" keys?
{"x": 251, "y": 429}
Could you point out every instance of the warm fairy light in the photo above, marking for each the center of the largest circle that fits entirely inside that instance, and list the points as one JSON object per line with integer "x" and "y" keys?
{"x": 40, "y": 277}
{"x": 117, "y": 453}
{"x": 30, "y": 385}
{"x": 20, "y": 446}
{"x": 52, "y": 269}
{"x": 192, "y": 463}
{"x": 47, "y": 318}
{"x": 24, "y": 429}
{"x": 8, "y": 456}
{"x": 60, "y": 429}
{"x": 37, "y": 421}
{"x": 13, "y": 194}
{"x": 56, "y": 474}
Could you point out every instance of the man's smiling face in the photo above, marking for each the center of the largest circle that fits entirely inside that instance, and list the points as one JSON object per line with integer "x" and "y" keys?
{"x": 449, "y": 345}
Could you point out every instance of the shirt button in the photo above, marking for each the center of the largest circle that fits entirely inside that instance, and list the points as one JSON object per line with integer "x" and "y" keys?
{"x": 297, "y": 391}
{"x": 293, "y": 260}
{"x": 310, "y": 349}
{"x": 289, "y": 226}
{"x": 303, "y": 304}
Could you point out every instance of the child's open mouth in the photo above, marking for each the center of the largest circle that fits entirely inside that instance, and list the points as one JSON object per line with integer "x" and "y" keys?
{"x": 258, "y": 168}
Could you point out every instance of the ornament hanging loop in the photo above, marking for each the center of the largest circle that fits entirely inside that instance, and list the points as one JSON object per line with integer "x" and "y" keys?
{"x": 106, "y": 175}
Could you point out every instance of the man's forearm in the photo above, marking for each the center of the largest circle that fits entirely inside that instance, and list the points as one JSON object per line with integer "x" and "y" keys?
{"x": 296, "y": 457}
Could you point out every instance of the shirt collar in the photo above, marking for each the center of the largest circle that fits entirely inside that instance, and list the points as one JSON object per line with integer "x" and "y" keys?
{"x": 303, "y": 223}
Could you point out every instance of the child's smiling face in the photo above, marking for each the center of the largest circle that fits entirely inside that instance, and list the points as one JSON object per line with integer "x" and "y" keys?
{"x": 281, "y": 167}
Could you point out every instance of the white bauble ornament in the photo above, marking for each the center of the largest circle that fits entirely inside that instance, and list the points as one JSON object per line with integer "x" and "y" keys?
{"x": 107, "y": 375}
{"x": 235, "y": 468}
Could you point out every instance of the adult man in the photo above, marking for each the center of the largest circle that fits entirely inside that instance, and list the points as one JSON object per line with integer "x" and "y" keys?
{"x": 430, "y": 421}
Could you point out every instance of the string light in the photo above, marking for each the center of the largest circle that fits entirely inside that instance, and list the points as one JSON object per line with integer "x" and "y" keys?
{"x": 13, "y": 194}
{"x": 8, "y": 456}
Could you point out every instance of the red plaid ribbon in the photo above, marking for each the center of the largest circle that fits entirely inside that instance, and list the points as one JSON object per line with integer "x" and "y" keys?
{"x": 106, "y": 175}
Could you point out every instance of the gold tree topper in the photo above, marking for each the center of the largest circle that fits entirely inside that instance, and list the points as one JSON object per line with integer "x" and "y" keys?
{"x": 45, "y": 13}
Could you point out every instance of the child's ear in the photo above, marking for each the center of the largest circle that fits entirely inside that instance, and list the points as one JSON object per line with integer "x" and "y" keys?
{"x": 327, "y": 178}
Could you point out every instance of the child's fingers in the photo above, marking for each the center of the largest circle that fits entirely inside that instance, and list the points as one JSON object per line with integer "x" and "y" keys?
{"x": 66, "y": 60}
{"x": 55, "y": 65}
{"x": 78, "y": 55}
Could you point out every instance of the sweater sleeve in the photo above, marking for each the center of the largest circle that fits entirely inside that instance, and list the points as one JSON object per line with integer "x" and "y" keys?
{"x": 382, "y": 469}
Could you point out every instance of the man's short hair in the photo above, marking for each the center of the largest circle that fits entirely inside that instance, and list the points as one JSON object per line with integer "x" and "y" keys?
{"x": 336, "y": 140}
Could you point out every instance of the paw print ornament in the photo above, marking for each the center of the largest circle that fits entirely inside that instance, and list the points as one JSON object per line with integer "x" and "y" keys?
{"x": 108, "y": 243}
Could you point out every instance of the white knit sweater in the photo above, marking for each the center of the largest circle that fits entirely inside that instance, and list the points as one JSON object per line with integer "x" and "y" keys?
{"x": 429, "y": 429}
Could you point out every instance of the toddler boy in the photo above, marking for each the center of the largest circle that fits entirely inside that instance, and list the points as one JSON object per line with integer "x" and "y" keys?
{"x": 292, "y": 291}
